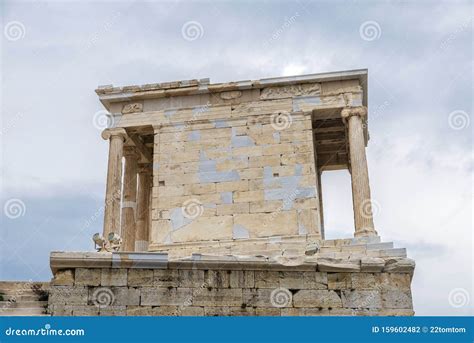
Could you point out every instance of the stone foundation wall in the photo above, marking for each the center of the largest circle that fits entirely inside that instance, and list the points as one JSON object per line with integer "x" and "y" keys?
{"x": 236, "y": 289}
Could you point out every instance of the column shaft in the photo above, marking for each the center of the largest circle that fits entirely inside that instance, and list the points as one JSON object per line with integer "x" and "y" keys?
{"x": 154, "y": 234}
{"x": 363, "y": 219}
{"x": 116, "y": 138}
{"x": 129, "y": 204}
{"x": 143, "y": 206}
{"x": 320, "y": 193}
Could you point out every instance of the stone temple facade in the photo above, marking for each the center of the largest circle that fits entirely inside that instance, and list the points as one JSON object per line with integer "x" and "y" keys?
{"x": 214, "y": 196}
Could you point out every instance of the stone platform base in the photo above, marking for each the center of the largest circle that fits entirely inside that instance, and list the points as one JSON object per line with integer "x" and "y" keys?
{"x": 352, "y": 278}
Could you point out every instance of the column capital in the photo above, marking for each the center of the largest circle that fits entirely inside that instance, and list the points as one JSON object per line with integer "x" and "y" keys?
{"x": 108, "y": 133}
{"x": 348, "y": 112}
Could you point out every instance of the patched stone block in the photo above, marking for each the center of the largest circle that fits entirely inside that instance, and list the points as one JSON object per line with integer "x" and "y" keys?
{"x": 361, "y": 299}
{"x": 217, "y": 297}
{"x": 63, "y": 278}
{"x": 316, "y": 298}
{"x": 114, "y": 277}
{"x": 87, "y": 277}
{"x": 140, "y": 277}
{"x": 165, "y": 296}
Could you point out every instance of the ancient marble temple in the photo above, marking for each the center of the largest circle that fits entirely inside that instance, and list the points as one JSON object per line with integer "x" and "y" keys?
{"x": 213, "y": 205}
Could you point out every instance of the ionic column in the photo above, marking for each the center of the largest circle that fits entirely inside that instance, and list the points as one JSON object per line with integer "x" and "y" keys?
{"x": 129, "y": 204}
{"x": 143, "y": 206}
{"x": 321, "y": 210}
{"x": 155, "y": 236}
{"x": 363, "y": 219}
{"x": 116, "y": 138}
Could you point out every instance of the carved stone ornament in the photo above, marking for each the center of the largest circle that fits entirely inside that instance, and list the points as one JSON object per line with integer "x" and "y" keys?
{"x": 290, "y": 91}
{"x": 231, "y": 95}
{"x": 132, "y": 108}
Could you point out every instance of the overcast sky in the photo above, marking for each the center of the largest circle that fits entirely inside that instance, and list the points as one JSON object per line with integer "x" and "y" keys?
{"x": 419, "y": 56}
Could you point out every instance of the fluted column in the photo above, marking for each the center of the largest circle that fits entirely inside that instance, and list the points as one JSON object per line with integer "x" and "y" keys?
{"x": 321, "y": 209}
{"x": 155, "y": 236}
{"x": 129, "y": 204}
{"x": 143, "y": 207}
{"x": 116, "y": 138}
{"x": 354, "y": 118}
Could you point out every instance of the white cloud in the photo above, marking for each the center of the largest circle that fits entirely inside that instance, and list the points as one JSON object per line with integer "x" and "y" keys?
{"x": 293, "y": 69}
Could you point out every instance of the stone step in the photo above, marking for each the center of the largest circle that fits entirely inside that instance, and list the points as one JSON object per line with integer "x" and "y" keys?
{"x": 9, "y": 285}
{"x": 350, "y": 241}
{"x": 23, "y": 304}
{"x": 23, "y": 312}
{"x": 20, "y": 291}
{"x": 22, "y": 297}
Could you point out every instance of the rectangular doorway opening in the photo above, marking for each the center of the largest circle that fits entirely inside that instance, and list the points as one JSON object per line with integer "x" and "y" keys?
{"x": 337, "y": 204}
